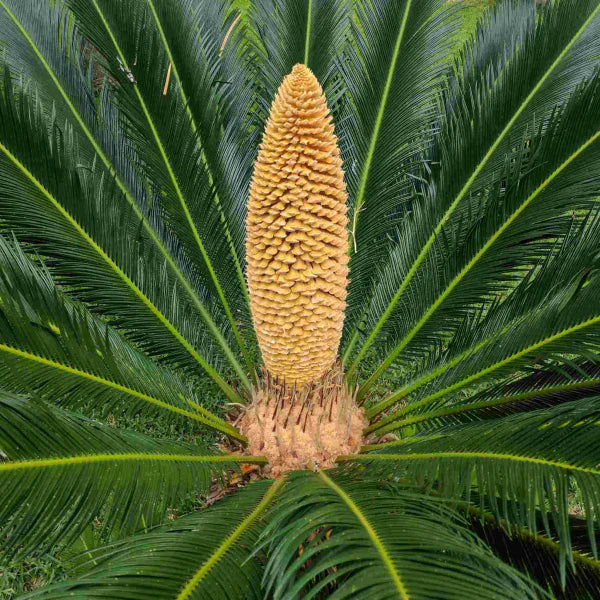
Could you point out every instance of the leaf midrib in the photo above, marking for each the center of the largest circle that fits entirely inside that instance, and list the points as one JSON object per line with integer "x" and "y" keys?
{"x": 454, "y": 410}
{"x": 538, "y": 538}
{"x": 359, "y": 201}
{"x": 308, "y": 32}
{"x": 82, "y": 459}
{"x": 476, "y": 258}
{"x": 467, "y": 454}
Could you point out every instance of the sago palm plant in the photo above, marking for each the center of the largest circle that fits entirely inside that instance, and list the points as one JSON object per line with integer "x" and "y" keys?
{"x": 351, "y": 279}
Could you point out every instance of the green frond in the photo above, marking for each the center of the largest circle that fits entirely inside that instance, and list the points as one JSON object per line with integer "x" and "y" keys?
{"x": 62, "y": 471}
{"x": 204, "y": 555}
{"x": 392, "y": 73}
{"x": 550, "y": 314}
{"x": 69, "y": 214}
{"x": 537, "y": 555}
{"x": 199, "y": 576}
{"x": 488, "y": 115}
{"x": 526, "y": 458}
{"x": 196, "y": 30}
{"x": 309, "y": 32}
{"x": 43, "y": 43}
{"x": 128, "y": 133}
{"x": 165, "y": 141}
{"x": 58, "y": 349}
{"x": 512, "y": 233}
{"x": 553, "y": 384}
{"x": 365, "y": 539}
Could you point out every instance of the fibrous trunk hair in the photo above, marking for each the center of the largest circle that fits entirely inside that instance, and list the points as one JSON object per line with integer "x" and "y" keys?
{"x": 297, "y": 241}
{"x": 307, "y": 427}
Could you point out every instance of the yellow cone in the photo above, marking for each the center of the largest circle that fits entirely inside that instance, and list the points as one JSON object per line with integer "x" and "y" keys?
{"x": 297, "y": 239}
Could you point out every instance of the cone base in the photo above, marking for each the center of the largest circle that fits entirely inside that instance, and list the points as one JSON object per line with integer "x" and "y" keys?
{"x": 300, "y": 428}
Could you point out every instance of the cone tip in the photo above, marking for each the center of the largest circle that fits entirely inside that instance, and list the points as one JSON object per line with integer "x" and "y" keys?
{"x": 301, "y": 72}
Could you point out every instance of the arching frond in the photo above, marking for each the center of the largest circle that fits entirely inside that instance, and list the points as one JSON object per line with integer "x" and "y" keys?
{"x": 446, "y": 241}
{"x": 128, "y": 136}
{"x": 46, "y": 198}
{"x": 550, "y": 385}
{"x": 43, "y": 43}
{"x": 137, "y": 54}
{"x": 512, "y": 233}
{"x": 192, "y": 35}
{"x": 62, "y": 471}
{"x": 529, "y": 459}
{"x": 205, "y": 555}
{"x": 392, "y": 74}
{"x": 550, "y": 314}
{"x": 371, "y": 540}
{"x": 56, "y": 348}
{"x": 311, "y": 32}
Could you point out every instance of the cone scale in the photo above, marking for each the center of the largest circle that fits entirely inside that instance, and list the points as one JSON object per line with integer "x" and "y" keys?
{"x": 297, "y": 240}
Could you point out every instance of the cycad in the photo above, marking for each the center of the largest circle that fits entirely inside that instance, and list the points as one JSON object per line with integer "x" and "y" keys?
{"x": 128, "y": 138}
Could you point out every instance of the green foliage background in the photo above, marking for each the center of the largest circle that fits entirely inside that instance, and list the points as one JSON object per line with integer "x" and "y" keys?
{"x": 21, "y": 576}
{"x": 544, "y": 431}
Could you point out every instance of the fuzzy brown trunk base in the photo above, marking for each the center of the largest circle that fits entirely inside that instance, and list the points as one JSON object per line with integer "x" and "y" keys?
{"x": 296, "y": 428}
